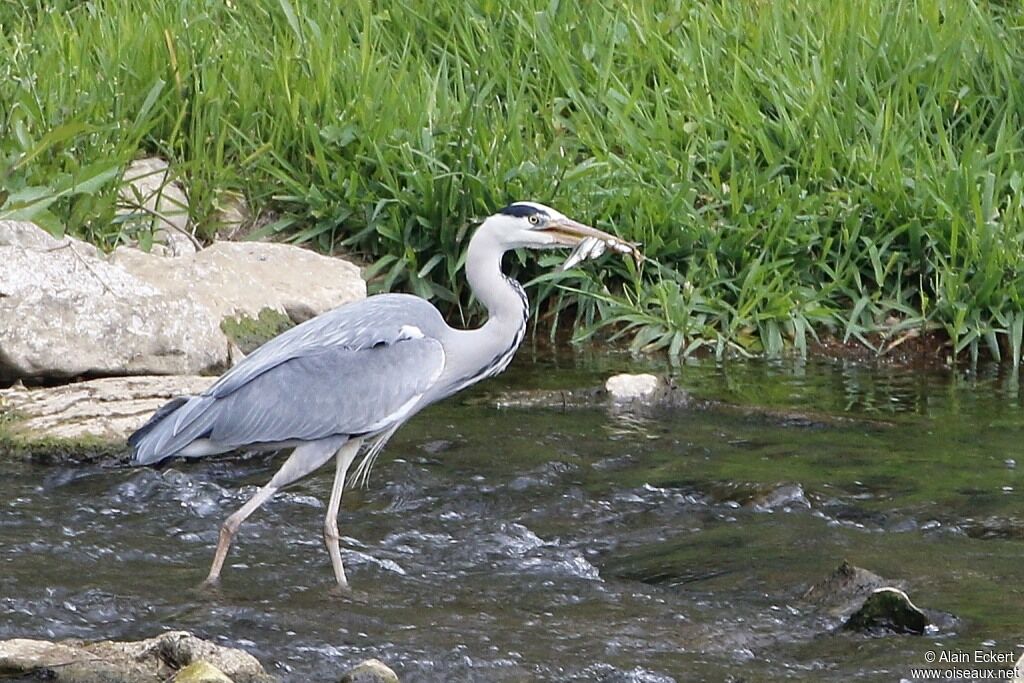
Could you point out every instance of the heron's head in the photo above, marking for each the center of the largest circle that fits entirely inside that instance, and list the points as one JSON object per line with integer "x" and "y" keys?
{"x": 535, "y": 226}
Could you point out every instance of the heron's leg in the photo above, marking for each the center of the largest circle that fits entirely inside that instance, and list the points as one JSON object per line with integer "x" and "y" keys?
{"x": 343, "y": 459}
{"x": 302, "y": 461}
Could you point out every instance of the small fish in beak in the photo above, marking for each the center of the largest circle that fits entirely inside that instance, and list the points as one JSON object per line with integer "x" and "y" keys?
{"x": 589, "y": 243}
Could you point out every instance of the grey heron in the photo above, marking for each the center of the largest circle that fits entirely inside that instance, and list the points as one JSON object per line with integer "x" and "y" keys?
{"x": 353, "y": 375}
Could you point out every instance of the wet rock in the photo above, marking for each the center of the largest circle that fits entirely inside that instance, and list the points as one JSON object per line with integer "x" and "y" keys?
{"x": 627, "y": 387}
{"x": 436, "y": 446}
{"x": 628, "y": 395}
{"x": 154, "y": 660}
{"x": 548, "y": 474}
{"x": 370, "y": 671}
{"x": 765, "y": 497}
{"x": 994, "y": 527}
{"x": 844, "y": 591}
{"x": 201, "y": 672}
{"x": 152, "y": 200}
{"x": 68, "y": 311}
{"x": 101, "y": 410}
{"x": 888, "y": 609}
{"x": 783, "y": 497}
{"x": 864, "y": 601}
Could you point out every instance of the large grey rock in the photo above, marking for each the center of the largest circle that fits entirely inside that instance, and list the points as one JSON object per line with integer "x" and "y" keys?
{"x": 243, "y": 278}
{"x": 67, "y": 310}
{"x": 31, "y": 236}
{"x": 105, "y": 410}
{"x": 153, "y": 660}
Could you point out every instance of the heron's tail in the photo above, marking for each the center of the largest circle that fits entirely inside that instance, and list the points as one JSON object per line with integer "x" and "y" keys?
{"x": 169, "y": 430}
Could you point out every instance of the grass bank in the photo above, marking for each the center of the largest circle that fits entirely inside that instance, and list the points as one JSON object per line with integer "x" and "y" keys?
{"x": 790, "y": 167}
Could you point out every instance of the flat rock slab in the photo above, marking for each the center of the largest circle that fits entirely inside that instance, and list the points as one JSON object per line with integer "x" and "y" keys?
{"x": 644, "y": 393}
{"x": 154, "y": 660}
{"x": 99, "y": 411}
{"x": 656, "y": 393}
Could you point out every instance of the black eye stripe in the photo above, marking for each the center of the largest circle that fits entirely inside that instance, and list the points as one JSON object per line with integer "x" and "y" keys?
{"x": 523, "y": 211}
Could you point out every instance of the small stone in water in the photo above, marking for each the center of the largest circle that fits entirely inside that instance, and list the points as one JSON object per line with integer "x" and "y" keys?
{"x": 370, "y": 671}
{"x": 626, "y": 387}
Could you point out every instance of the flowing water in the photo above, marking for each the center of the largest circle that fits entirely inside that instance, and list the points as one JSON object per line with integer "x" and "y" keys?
{"x": 570, "y": 545}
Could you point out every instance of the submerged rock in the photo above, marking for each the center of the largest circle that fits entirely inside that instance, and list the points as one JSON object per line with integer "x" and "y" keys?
{"x": 782, "y": 497}
{"x": 67, "y": 310}
{"x": 153, "y": 660}
{"x": 620, "y": 392}
{"x": 370, "y": 671}
{"x": 888, "y": 609}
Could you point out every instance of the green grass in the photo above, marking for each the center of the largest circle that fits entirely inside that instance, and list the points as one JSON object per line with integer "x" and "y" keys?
{"x": 790, "y": 167}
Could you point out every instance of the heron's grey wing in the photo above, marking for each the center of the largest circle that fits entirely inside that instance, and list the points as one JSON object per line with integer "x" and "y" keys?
{"x": 382, "y": 319}
{"x": 378, "y": 322}
{"x": 333, "y": 391}
{"x": 336, "y": 391}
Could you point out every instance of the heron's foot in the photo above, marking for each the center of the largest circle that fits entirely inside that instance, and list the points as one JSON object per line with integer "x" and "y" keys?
{"x": 341, "y": 590}
{"x": 207, "y": 591}
{"x": 211, "y": 584}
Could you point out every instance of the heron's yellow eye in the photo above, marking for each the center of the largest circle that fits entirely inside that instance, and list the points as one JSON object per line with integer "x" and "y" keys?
{"x": 534, "y": 219}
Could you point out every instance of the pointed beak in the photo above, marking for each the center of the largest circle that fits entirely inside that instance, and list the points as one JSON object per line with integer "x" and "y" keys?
{"x": 587, "y": 242}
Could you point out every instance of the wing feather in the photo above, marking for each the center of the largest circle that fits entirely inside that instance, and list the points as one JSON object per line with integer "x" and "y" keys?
{"x": 353, "y": 370}
{"x": 337, "y": 391}
{"x": 358, "y": 325}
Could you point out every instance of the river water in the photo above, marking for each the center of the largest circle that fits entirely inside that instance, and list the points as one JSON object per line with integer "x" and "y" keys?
{"x": 567, "y": 544}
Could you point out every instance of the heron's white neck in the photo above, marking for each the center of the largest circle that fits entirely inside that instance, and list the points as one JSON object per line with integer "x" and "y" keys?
{"x": 504, "y": 302}
{"x": 487, "y": 350}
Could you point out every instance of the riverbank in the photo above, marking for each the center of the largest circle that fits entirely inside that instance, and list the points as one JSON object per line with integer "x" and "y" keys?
{"x": 844, "y": 169}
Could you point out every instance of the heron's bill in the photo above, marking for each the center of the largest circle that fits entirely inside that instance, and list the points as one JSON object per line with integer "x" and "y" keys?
{"x": 588, "y": 243}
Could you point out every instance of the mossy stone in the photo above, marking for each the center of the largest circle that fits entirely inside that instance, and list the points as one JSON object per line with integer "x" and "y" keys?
{"x": 201, "y": 672}
{"x": 249, "y": 333}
